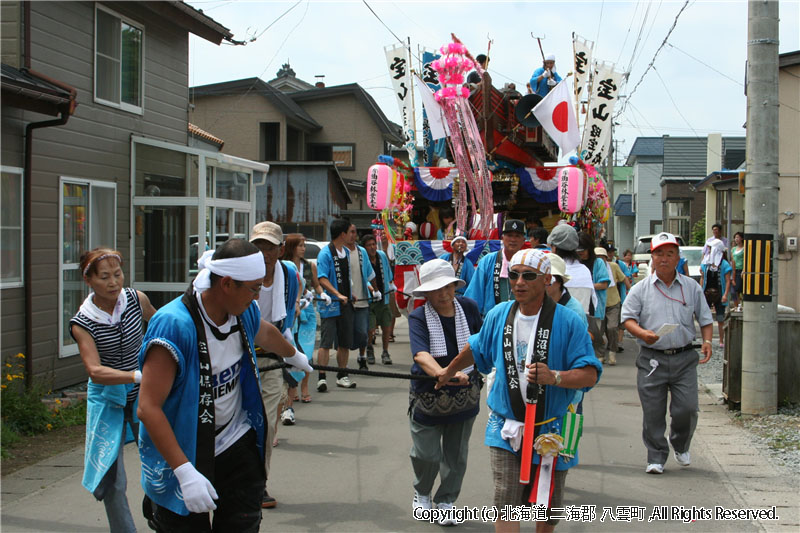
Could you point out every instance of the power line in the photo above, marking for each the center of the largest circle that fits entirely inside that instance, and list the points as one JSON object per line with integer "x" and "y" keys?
{"x": 652, "y": 61}
{"x": 706, "y": 64}
{"x": 599, "y": 21}
{"x": 276, "y": 20}
{"x": 666, "y": 89}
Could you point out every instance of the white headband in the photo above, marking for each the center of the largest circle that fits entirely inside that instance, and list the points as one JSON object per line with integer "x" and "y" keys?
{"x": 247, "y": 268}
{"x": 458, "y": 238}
{"x": 532, "y": 258}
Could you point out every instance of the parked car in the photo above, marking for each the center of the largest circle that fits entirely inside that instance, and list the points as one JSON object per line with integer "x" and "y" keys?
{"x": 693, "y": 255}
{"x": 641, "y": 254}
{"x": 313, "y": 249}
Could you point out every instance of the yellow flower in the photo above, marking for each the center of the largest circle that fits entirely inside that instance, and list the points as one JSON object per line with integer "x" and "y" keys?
{"x": 58, "y": 402}
{"x": 49, "y": 427}
{"x": 9, "y": 378}
{"x": 3, "y": 386}
{"x": 20, "y": 356}
{"x": 9, "y": 365}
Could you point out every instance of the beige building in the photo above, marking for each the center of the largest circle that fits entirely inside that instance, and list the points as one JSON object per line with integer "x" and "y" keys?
{"x": 288, "y": 120}
{"x": 789, "y": 176}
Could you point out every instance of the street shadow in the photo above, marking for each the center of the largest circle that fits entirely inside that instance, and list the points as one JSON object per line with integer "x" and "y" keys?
{"x": 327, "y": 450}
{"x": 18, "y": 523}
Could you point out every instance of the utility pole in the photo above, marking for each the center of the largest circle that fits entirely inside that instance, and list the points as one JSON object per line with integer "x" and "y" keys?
{"x": 610, "y": 174}
{"x": 760, "y": 323}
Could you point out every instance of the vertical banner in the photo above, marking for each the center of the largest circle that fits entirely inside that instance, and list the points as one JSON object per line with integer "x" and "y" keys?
{"x": 433, "y": 146}
{"x": 757, "y": 273}
{"x": 602, "y": 98}
{"x": 582, "y": 50}
{"x": 400, "y": 71}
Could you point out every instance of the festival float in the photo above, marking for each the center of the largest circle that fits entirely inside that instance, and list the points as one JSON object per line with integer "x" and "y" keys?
{"x": 503, "y": 147}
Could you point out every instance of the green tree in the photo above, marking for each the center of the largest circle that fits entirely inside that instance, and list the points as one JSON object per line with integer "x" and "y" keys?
{"x": 698, "y": 233}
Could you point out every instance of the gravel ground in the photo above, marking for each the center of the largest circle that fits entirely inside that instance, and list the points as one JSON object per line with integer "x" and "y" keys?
{"x": 777, "y": 436}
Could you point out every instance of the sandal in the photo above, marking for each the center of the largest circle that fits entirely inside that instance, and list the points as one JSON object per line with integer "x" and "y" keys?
{"x": 306, "y": 399}
{"x": 391, "y": 338}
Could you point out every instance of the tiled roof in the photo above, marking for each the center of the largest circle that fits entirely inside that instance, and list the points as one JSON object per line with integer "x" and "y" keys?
{"x": 653, "y": 146}
{"x": 203, "y": 134}
{"x": 623, "y": 207}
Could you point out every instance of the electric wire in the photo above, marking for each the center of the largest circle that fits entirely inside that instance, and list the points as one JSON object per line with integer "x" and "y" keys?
{"x": 652, "y": 61}
{"x": 706, "y": 64}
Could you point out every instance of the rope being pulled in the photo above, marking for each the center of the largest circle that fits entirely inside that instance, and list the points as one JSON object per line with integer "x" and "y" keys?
{"x": 394, "y": 375}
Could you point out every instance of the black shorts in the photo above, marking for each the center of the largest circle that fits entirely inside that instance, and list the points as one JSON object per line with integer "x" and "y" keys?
{"x": 337, "y": 331}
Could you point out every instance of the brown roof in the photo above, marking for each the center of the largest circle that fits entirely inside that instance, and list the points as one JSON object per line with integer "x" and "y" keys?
{"x": 203, "y": 134}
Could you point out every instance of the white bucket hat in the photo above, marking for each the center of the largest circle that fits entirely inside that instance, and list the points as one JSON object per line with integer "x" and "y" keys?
{"x": 558, "y": 267}
{"x": 435, "y": 274}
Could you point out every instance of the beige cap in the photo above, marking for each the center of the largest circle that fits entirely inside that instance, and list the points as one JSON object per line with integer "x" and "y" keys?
{"x": 269, "y": 231}
{"x": 601, "y": 251}
{"x": 558, "y": 267}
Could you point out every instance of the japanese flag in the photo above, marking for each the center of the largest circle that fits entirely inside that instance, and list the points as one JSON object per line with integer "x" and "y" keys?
{"x": 556, "y": 114}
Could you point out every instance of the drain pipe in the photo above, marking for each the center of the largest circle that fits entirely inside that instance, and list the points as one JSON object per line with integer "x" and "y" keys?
{"x": 66, "y": 110}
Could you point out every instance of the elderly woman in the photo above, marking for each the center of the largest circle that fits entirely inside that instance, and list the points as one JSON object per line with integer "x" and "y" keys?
{"x": 441, "y": 420}
{"x": 462, "y": 266}
{"x": 108, "y": 330}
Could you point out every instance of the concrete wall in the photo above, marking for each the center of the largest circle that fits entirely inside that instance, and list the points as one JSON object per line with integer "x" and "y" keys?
{"x": 236, "y": 119}
{"x": 789, "y": 181}
{"x": 94, "y": 144}
{"x": 646, "y": 177}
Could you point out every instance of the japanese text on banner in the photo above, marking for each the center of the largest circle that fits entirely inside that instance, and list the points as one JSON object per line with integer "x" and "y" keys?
{"x": 400, "y": 73}
{"x": 597, "y": 129}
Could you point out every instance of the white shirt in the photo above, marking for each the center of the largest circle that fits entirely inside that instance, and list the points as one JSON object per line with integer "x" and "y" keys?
{"x": 226, "y": 365}
{"x": 356, "y": 279}
{"x": 524, "y": 337}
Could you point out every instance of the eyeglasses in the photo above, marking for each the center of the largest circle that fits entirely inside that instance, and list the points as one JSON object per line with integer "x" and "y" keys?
{"x": 527, "y": 276}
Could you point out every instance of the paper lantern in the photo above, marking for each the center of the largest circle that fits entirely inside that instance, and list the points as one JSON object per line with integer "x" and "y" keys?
{"x": 426, "y": 231}
{"x": 572, "y": 189}
{"x": 381, "y": 182}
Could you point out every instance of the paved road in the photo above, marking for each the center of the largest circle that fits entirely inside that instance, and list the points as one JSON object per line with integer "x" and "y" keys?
{"x": 345, "y": 467}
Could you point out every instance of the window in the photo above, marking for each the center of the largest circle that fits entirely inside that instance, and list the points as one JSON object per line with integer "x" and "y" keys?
{"x": 343, "y": 155}
{"x": 87, "y": 220}
{"x": 270, "y": 141}
{"x": 678, "y": 218}
{"x": 11, "y": 228}
{"x": 118, "y": 72}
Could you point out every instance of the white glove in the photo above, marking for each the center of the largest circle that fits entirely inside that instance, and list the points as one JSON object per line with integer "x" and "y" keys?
{"x": 551, "y": 82}
{"x": 299, "y": 361}
{"x": 325, "y": 298}
{"x": 393, "y": 287}
{"x": 287, "y": 334}
{"x": 376, "y": 295}
{"x": 546, "y": 74}
{"x": 304, "y": 303}
{"x": 198, "y": 492}
{"x": 308, "y": 295}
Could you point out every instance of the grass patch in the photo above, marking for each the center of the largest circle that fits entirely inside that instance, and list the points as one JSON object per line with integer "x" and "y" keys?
{"x": 24, "y": 413}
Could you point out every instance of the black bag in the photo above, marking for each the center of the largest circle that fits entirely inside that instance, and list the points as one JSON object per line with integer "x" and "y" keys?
{"x": 713, "y": 290}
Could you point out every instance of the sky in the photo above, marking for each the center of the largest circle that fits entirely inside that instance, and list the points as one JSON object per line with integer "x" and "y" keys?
{"x": 696, "y": 85}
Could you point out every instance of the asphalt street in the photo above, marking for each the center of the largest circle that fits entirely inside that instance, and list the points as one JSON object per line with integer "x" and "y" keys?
{"x": 345, "y": 467}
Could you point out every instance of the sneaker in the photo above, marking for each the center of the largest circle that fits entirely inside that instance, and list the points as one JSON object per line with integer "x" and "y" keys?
{"x": 445, "y": 520}
{"x": 612, "y": 359}
{"x": 654, "y": 468}
{"x": 362, "y": 364}
{"x": 620, "y": 349}
{"x": 370, "y": 355}
{"x": 683, "y": 458}
{"x": 322, "y": 386}
{"x": 287, "y": 417}
{"x": 345, "y": 383}
{"x": 267, "y": 501}
{"x": 386, "y": 359}
{"x": 421, "y": 502}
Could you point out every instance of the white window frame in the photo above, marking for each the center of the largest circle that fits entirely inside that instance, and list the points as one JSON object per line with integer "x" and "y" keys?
{"x": 139, "y": 110}
{"x": 72, "y": 350}
{"x": 201, "y": 201}
{"x": 21, "y": 173}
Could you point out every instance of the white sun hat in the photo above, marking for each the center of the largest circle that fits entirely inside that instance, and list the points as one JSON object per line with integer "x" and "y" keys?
{"x": 435, "y": 274}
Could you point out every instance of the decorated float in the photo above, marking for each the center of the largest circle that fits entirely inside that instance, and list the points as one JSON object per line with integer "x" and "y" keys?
{"x": 503, "y": 147}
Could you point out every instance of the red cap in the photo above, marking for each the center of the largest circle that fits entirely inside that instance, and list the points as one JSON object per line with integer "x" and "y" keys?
{"x": 661, "y": 239}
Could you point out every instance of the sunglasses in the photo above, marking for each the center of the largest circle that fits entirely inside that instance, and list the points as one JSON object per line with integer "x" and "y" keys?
{"x": 527, "y": 276}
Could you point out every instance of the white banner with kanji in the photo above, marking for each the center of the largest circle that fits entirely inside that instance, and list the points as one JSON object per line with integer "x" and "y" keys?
{"x": 606, "y": 84}
{"x": 400, "y": 72}
{"x": 582, "y": 55}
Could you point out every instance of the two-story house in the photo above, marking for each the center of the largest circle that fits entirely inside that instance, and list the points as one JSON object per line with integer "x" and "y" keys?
{"x": 305, "y": 133}
{"x": 647, "y": 159}
{"x": 95, "y": 152}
